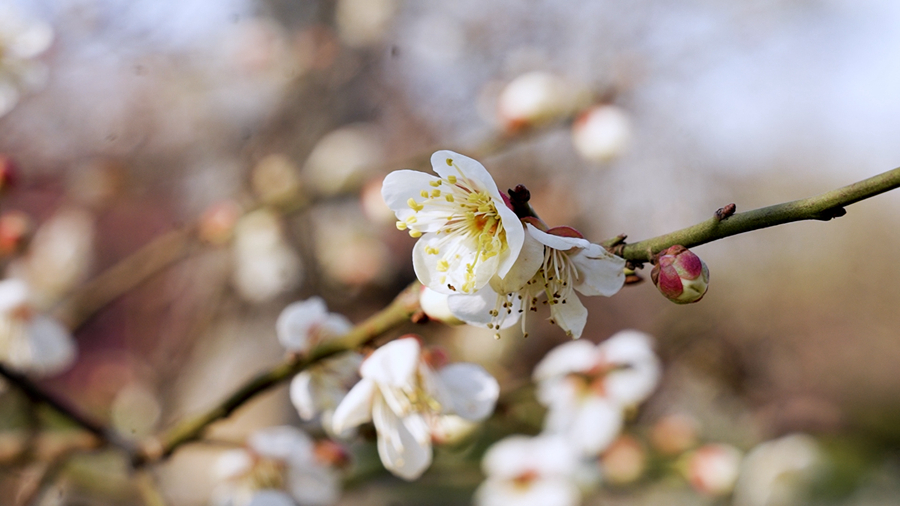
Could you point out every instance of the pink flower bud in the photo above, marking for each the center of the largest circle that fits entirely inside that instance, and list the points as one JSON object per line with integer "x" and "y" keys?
{"x": 680, "y": 275}
{"x": 712, "y": 469}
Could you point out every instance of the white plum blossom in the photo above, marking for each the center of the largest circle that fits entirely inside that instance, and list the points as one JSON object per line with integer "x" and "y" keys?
{"x": 529, "y": 471}
{"x": 405, "y": 397}
{"x": 318, "y": 389}
{"x": 303, "y": 325}
{"x": 265, "y": 264}
{"x": 279, "y": 466}
{"x": 555, "y": 263}
{"x": 586, "y": 387}
{"x": 31, "y": 342}
{"x": 22, "y": 40}
{"x": 468, "y": 234}
{"x": 778, "y": 471}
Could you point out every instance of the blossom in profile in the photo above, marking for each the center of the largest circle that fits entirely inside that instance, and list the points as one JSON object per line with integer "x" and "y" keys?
{"x": 602, "y": 133}
{"x": 468, "y": 234}
{"x": 31, "y": 342}
{"x": 586, "y": 387}
{"x": 535, "y": 98}
{"x": 278, "y": 466}
{"x": 778, "y": 471}
{"x": 22, "y": 41}
{"x": 305, "y": 324}
{"x": 265, "y": 264}
{"x": 529, "y": 471}
{"x": 556, "y": 264}
{"x": 405, "y": 392}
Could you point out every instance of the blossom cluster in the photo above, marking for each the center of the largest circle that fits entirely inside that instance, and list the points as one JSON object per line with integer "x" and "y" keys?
{"x": 494, "y": 265}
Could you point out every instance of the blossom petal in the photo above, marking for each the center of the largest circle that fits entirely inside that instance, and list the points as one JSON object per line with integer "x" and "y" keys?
{"x": 356, "y": 408}
{"x": 281, "y": 442}
{"x": 530, "y": 259}
{"x": 394, "y": 363}
{"x": 475, "y": 309}
{"x": 472, "y": 391}
{"x": 271, "y": 497}
{"x": 642, "y": 371}
{"x": 541, "y": 492}
{"x": 451, "y": 278}
{"x": 556, "y": 241}
{"x": 513, "y": 456}
{"x": 571, "y": 316}
{"x": 50, "y": 347}
{"x": 295, "y": 322}
{"x": 303, "y": 396}
{"x": 594, "y": 425}
{"x": 313, "y": 485}
{"x": 400, "y": 186}
{"x": 599, "y": 271}
{"x": 574, "y": 356}
{"x": 398, "y": 448}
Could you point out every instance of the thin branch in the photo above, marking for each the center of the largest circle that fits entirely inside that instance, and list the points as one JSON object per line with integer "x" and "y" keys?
{"x": 399, "y": 311}
{"x": 38, "y": 395}
{"x": 822, "y": 207}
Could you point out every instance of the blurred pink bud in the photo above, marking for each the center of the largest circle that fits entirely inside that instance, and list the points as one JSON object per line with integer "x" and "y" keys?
{"x": 217, "y": 222}
{"x": 536, "y": 98}
{"x": 9, "y": 172}
{"x": 680, "y": 275}
{"x": 15, "y": 229}
{"x": 713, "y": 469}
{"x": 624, "y": 461}
{"x": 674, "y": 434}
{"x": 330, "y": 453}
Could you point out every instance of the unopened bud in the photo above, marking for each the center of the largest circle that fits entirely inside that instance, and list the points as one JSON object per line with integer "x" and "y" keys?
{"x": 536, "y": 98}
{"x": 602, "y": 133}
{"x": 8, "y": 172}
{"x": 217, "y": 222}
{"x": 16, "y": 228}
{"x": 713, "y": 469}
{"x": 332, "y": 454}
{"x": 680, "y": 275}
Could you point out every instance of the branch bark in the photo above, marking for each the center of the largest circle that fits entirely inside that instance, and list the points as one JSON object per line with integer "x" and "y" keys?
{"x": 822, "y": 207}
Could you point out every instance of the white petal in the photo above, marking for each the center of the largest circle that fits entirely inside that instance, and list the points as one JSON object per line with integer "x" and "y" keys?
{"x": 530, "y": 259}
{"x": 634, "y": 351}
{"x": 356, "y": 408}
{"x": 571, "y": 316}
{"x": 398, "y": 448}
{"x": 302, "y": 395}
{"x": 400, "y": 186}
{"x": 281, "y": 442}
{"x": 575, "y": 356}
{"x": 473, "y": 392}
{"x": 393, "y": 364}
{"x": 540, "y": 492}
{"x": 50, "y": 346}
{"x": 13, "y": 294}
{"x": 556, "y": 241}
{"x": 233, "y": 464}
{"x": 313, "y": 485}
{"x": 475, "y": 309}
{"x": 270, "y": 497}
{"x": 296, "y": 321}
{"x": 546, "y": 455}
{"x": 594, "y": 426}
{"x": 599, "y": 271}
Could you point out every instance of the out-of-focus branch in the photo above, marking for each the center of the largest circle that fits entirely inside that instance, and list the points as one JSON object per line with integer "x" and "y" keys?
{"x": 822, "y": 207}
{"x": 400, "y": 310}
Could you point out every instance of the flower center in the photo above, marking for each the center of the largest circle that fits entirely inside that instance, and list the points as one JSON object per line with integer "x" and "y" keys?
{"x": 266, "y": 473}
{"x": 470, "y": 222}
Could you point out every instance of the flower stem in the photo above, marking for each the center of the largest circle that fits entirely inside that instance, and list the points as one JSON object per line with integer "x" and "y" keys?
{"x": 821, "y": 207}
{"x": 399, "y": 311}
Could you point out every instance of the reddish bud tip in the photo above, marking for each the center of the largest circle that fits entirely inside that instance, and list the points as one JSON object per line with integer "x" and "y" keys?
{"x": 680, "y": 275}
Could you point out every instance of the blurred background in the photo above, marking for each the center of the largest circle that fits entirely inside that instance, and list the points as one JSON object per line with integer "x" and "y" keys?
{"x": 261, "y": 129}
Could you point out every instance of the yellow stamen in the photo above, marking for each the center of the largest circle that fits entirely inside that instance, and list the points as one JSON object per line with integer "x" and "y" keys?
{"x": 452, "y": 179}
{"x": 401, "y": 225}
{"x": 448, "y": 197}
{"x": 443, "y": 266}
{"x": 424, "y": 194}
{"x": 435, "y": 193}
{"x": 415, "y": 233}
{"x": 434, "y": 183}
{"x": 415, "y": 206}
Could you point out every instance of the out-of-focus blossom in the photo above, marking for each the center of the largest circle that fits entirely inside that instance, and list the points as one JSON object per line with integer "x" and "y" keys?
{"x": 278, "y": 466}
{"x": 15, "y": 229}
{"x": 59, "y": 256}
{"x": 348, "y": 249}
{"x": 624, "y": 461}
{"x": 320, "y": 388}
{"x": 303, "y": 325}
{"x": 22, "y": 40}
{"x": 436, "y": 306}
{"x": 777, "y": 472}
{"x": 276, "y": 179}
{"x": 31, "y": 342}
{"x": 363, "y": 22}
{"x": 135, "y": 410}
{"x": 587, "y": 387}
{"x": 529, "y": 471}
{"x": 535, "y": 98}
{"x": 373, "y": 204}
{"x": 680, "y": 275}
{"x": 674, "y": 434}
{"x": 404, "y": 396}
{"x": 601, "y": 133}
{"x": 265, "y": 265}
{"x": 712, "y": 469}
{"x": 555, "y": 263}
{"x": 339, "y": 160}
{"x": 216, "y": 225}
{"x": 467, "y": 233}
